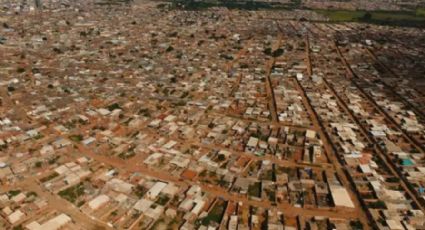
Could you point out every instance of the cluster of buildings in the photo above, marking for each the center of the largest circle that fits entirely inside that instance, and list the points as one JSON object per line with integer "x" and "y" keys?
{"x": 374, "y": 144}
{"x": 141, "y": 117}
{"x": 30, "y": 210}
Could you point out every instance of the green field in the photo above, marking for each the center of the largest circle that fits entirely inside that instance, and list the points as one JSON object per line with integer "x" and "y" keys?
{"x": 396, "y": 16}
{"x": 399, "y": 18}
{"x": 71, "y": 194}
{"x": 241, "y": 5}
{"x": 341, "y": 15}
{"x": 420, "y": 12}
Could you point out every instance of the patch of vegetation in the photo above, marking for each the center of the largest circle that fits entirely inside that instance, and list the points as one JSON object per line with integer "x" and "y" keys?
{"x": 39, "y": 136}
{"x": 271, "y": 195}
{"x": 268, "y": 51}
{"x": 66, "y": 90}
{"x": 378, "y": 205}
{"x": 184, "y": 94}
{"x": 76, "y": 138}
{"x": 277, "y": 52}
{"x": 126, "y": 155}
{"x": 113, "y": 2}
{"x": 268, "y": 175}
{"x": 242, "y": 5}
{"x": 114, "y": 107}
{"x": 38, "y": 164}
{"x": 221, "y": 157}
{"x": 53, "y": 160}
{"x": 420, "y": 12}
{"x": 356, "y": 225}
{"x": 49, "y": 177}
{"x": 80, "y": 203}
{"x": 140, "y": 191}
{"x": 144, "y": 112}
{"x": 13, "y": 193}
{"x": 341, "y": 15}
{"x": 71, "y": 194}
{"x": 29, "y": 194}
{"x": 226, "y": 56}
{"x": 19, "y": 227}
{"x": 391, "y": 18}
{"x": 203, "y": 173}
{"x": 70, "y": 125}
{"x": 254, "y": 190}
{"x": 215, "y": 215}
{"x": 392, "y": 180}
{"x": 180, "y": 103}
{"x": 169, "y": 49}
{"x": 162, "y": 200}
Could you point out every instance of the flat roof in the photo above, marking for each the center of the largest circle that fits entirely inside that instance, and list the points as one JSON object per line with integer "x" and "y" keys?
{"x": 340, "y": 196}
